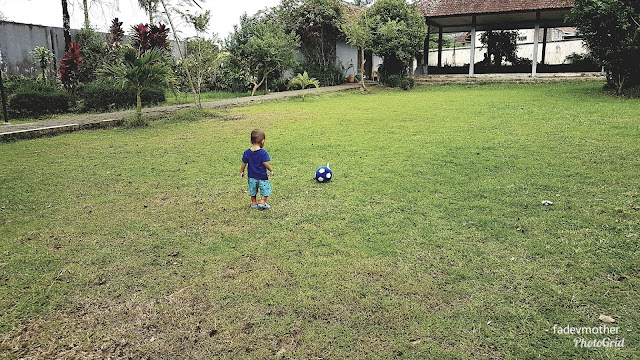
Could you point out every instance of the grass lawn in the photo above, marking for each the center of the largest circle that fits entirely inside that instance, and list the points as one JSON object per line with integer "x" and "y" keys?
{"x": 430, "y": 242}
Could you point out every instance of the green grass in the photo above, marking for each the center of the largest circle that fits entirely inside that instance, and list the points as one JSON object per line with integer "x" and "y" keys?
{"x": 430, "y": 242}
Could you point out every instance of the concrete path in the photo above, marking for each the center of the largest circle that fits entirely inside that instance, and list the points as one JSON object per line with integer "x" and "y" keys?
{"x": 91, "y": 121}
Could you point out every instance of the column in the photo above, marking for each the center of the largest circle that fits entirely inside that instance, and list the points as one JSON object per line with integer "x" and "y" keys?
{"x": 534, "y": 61}
{"x": 425, "y": 60}
{"x": 440, "y": 47}
{"x": 472, "y": 56}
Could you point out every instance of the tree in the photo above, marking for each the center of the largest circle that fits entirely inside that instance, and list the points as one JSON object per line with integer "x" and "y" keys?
{"x": 94, "y": 53}
{"x": 141, "y": 72}
{"x": 303, "y": 81}
{"x": 200, "y": 60}
{"x": 501, "y": 45}
{"x": 399, "y": 32}
{"x": 69, "y": 68}
{"x": 611, "y": 31}
{"x": 167, "y": 11}
{"x": 262, "y": 46}
{"x": 318, "y": 24}
{"x": 150, "y": 7}
{"x": 2, "y": 16}
{"x": 66, "y": 24}
{"x": 357, "y": 30}
{"x": 44, "y": 58}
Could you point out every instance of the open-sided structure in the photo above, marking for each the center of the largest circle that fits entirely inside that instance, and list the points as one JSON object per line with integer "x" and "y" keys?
{"x": 447, "y": 16}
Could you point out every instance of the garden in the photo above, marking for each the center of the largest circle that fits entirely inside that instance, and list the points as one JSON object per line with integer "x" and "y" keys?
{"x": 431, "y": 241}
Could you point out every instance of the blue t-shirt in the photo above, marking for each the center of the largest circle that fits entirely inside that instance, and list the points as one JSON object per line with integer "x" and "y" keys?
{"x": 255, "y": 159}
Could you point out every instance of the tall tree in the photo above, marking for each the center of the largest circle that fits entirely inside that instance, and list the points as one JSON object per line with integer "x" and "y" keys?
{"x": 356, "y": 29}
{"x": 150, "y": 7}
{"x": 400, "y": 32}
{"x": 168, "y": 10}
{"x": 66, "y": 24}
{"x": 611, "y": 31}
{"x": 318, "y": 24}
{"x": 262, "y": 46}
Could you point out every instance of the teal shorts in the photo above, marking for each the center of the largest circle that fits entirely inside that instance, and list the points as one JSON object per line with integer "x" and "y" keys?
{"x": 263, "y": 185}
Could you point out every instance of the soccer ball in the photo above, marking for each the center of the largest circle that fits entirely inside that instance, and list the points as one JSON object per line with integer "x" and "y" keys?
{"x": 324, "y": 174}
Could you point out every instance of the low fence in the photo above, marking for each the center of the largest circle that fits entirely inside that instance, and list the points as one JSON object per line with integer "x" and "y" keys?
{"x": 556, "y": 53}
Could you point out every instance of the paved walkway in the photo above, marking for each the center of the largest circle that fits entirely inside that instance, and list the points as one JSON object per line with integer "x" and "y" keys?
{"x": 90, "y": 121}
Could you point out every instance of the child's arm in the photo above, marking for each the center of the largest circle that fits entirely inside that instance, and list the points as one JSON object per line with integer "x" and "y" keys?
{"x": 244, "y": 165}
{"x": 268, "y": 166}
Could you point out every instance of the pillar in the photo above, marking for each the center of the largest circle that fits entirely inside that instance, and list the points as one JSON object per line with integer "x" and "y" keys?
{"x": 425, "y": 60}
{"x": 472, "y": 56}
{"x": 439, "y": 47}
{"x": 536, "y": 35}
{"x": 544, "y": 46}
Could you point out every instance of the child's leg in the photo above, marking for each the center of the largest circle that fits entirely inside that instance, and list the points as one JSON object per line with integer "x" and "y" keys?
{"x": 263, "y": 200}
{"x": 253, "y": 191}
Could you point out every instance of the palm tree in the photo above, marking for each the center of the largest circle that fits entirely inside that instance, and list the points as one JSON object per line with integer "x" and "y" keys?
{"x": 150, "y": 7}
{"x": 303, "y": 81}
{"x": 141, "y": 72}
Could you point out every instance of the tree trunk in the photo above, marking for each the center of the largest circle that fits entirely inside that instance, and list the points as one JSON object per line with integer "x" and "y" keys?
{"x": 3, "y": 97}
{"x": 139, "y": 104}
{"x": 85, "y": 4}
{"x": 66, "y": 25}
{"x": 361, "y": 70}
{"x": 182, "y": 55}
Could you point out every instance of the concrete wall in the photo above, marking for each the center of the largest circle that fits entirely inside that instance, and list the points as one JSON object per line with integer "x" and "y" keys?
{"x": 348, "y": 55}
{"x": 16, "y": 40}
{"x": 556, "y": 53}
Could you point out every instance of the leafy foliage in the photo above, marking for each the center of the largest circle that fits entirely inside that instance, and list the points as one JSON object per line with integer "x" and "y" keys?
{"x": 107, "y": 95}
{"x": 318, "y": 24}
{"x": 141, "y": 72}
{"x": 68, "y": 70}
{"x": 94, "y": 54}
{"x": 399, "y": 31}
{"x": 116, "y": 34}
{"x": 205, "y": 61}
{"x": 30, "y": 99}
{"x": 262, "y": 46}
{"x": 303, "y": 81}
{"x": 43, "y": 57}
{"x": 501, "y": 46}
{"x": 611, "y": 30}
{"x": 146, "y": 37}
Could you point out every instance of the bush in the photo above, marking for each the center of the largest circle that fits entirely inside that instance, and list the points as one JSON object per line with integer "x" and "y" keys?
{"x": 333, "y": 75}
{"x": 29, "y": 102}
{"x": 105, "y": 95}
{"x": 398, "y": 81}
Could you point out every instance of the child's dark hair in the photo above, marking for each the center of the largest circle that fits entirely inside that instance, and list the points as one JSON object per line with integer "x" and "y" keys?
{"x": 257, "y": 136}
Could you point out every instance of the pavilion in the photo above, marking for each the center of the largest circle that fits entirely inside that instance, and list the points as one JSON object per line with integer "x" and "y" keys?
{"x": 447, "y": 16}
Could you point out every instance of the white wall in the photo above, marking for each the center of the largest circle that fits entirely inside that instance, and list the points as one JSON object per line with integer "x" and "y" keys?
{"x": 556, "y": 53}
{"x": 347, "y": 55}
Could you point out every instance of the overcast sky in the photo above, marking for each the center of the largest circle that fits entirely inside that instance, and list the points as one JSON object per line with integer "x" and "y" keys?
{"x": 224, "y": 13}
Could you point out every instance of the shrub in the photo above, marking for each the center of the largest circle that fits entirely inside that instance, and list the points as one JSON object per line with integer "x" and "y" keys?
{"x": 31, "y": 101}
{"x": 104, "y": 95}
{"x": 399, "y": 81}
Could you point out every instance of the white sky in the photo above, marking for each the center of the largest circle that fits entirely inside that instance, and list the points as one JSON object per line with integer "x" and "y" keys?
{"x": 224, "y": 13}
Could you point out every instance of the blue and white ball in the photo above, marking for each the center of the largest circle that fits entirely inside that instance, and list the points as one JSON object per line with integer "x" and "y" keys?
{"x": 324, "y": 174}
